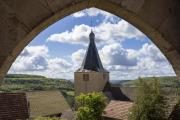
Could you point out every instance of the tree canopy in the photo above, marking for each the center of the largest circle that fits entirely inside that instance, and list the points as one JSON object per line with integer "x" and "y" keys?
{"x": 90, "y": 106}
{"x": 150, "y": 103}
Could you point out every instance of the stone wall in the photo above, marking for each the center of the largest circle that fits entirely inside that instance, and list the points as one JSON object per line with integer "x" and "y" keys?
{"x": 22, "y": 20}
{"x": 95, "y": 83}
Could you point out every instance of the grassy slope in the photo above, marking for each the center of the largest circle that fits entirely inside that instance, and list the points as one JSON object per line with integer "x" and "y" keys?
{"x": 22, "y": 82}
{"x": 26, "y": 83}
{"x": 46, "y": 102}
{"x": 34, "y": 82}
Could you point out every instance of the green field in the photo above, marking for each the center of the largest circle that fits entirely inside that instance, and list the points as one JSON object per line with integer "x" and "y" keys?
{"x": 21, "y": 82}
{"x": 44, "y": 103}
{"x": 28, "y": 83}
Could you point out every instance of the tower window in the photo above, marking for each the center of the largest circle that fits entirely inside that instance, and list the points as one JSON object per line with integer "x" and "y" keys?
{"x": 85, "y": 77}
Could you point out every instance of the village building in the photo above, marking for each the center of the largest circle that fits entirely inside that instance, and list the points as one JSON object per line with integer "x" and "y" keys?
{"x": 30, "y": 105}
{"x": 117, "y": 110}
{"x": 13, "y": 106}
{"x": 92, "y": 77}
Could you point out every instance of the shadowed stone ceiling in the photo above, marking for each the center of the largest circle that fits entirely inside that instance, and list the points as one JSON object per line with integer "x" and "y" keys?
{"x": 22, "y": 20}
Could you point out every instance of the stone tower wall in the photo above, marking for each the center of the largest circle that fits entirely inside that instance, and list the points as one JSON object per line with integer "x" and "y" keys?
{"x": 95, "y": 82}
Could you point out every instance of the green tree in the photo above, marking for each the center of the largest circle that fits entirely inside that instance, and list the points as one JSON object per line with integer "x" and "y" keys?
{"x": 90, "y": 106}
{"x": 150, "y": 103}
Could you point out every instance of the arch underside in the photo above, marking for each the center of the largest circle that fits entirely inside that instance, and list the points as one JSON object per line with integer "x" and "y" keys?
{"x": 22, "y": 20}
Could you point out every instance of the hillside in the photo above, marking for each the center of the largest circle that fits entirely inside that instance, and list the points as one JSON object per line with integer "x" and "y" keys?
{"x": 21, "y": 82}
{"x": 166, "y": 81}
{"x": 23, "y": 76}
{"x": 44, "y": 103}
{"x": 28, "y": 83}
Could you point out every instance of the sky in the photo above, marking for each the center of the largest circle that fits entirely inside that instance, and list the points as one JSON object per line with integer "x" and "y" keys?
{"x": 125, "y": 51}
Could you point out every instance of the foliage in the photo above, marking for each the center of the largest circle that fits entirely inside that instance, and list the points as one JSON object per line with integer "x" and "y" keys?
{"x": 47, "y": 118}
{"x": 90, "y": 106}
{"x": 150, "y": 103}
{"x": 23, "y": 76}
{"x": 24, "y": 82}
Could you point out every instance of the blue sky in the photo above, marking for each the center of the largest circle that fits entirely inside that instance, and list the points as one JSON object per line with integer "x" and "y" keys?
{"x": 125, "y": 51}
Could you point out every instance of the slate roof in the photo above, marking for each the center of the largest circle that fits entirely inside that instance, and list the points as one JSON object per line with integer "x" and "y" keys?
{"x": 92, "y": 60}
{"x": 118, "y": 92}
{"x": 13, "y": 106}
{"x": 118, "y": 110}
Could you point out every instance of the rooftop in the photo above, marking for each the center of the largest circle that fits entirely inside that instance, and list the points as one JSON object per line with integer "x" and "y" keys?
{"x": 92, "y": 61}
{"x": 13, "y": 106}
{"x": 118, "y": 110}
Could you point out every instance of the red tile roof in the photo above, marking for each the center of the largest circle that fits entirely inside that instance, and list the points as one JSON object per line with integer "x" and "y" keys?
{"x": 13, "y": 106}
{"x": 118, "y": 109}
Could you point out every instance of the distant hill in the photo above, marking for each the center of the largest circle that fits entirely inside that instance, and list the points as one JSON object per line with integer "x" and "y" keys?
{"x": 119, "y": 82}
{"x": 165, "y": 81}
{"x": 23, "y": 76}
{"x": 29, "y": 83}
{"x": 24, "y": 82}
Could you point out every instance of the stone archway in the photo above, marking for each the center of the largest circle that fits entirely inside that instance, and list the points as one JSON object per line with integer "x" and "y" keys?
{"x": 22, "y": 20}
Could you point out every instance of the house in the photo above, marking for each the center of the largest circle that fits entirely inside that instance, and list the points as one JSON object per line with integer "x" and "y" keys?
{"x": 13, "y": 106}
{"x": 117, "y": 110}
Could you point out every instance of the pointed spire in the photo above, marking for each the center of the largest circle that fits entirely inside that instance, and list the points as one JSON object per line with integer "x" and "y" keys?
{"x": 91, "y": 36}
{"x": 92, "y": 60}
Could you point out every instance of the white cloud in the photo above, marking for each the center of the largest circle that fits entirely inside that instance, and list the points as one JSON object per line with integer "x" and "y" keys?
{"x": 36, "y": 60}
{"x": 77, "y": 56}
{"x": 105, "y": 33}
{"x": 78, "y": 35}
{"x": 152, "y": 52}
{"x": 114, "y": 54}
{"x": 149, "y": 62}
{"x": 59, "y": 64}
{"x": 122, "y": 63}
{"x": 79, "y": 14}
{"x": 129, "y": 63}
{"x": 92, "y": 12}
{"x": 31, "y": 58}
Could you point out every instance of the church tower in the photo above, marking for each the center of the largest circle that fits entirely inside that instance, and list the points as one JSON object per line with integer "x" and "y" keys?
{"x": 91, "y": 76}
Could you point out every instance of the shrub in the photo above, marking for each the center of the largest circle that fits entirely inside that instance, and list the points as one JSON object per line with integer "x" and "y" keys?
{"x": 90, "y": 106}
{"x": 149, "y": 103}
